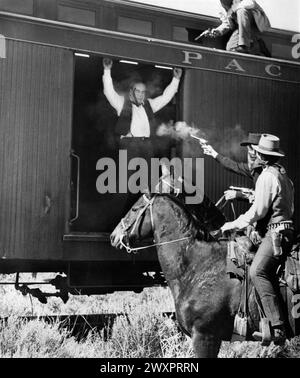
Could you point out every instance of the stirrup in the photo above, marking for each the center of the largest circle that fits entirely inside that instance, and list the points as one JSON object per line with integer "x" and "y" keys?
{"x": 265, "y": 335}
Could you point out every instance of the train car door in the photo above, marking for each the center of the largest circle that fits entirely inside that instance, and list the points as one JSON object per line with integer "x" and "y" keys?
{"x": 94, "y": 138}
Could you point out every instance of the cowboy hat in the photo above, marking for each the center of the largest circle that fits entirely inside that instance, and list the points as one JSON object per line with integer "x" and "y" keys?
{"x": 269, "y": 145}
{"x": 253, "y": 138}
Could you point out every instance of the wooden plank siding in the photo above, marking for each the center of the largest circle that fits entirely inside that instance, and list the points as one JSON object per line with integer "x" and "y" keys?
{"x": 36, "y": 84}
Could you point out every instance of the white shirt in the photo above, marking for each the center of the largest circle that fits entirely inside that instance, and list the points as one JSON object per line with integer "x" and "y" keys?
{"x": 266, "y": 189}
{"x": 140, "y": 126}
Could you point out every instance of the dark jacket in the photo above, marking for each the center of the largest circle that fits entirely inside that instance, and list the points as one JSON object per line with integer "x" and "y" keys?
{"x": 240, "y": 168}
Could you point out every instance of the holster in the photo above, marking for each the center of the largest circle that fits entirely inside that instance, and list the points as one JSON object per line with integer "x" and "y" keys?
{"x": 276, "y": 242}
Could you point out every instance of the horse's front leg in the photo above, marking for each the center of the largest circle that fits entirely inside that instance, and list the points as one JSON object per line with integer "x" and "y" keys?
{"x": 205, "y": 345}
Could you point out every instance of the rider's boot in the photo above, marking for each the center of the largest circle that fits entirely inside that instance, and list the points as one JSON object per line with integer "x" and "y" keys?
{"x": 276, "y": 334}
{"x": 279, "y": 335}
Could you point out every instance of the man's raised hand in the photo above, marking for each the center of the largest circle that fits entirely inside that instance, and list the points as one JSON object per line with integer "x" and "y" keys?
{"x": 208, "y": 150}
{"x": 177, "y": 72}
{"x": 107, "y": 63}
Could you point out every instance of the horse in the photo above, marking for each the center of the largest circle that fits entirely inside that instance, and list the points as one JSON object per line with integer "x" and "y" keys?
{"x": 206, "y": 298}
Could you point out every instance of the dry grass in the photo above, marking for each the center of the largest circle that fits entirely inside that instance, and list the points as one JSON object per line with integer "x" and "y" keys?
{"x": 144, "y": 333}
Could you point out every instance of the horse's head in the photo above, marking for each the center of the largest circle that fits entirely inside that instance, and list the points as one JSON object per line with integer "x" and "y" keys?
{"x": 137, "y": 224}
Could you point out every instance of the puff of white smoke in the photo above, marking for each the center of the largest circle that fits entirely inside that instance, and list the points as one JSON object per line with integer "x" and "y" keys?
{"x": 183, "y": 130}
{"x": 179, "y": 130}
{"x": 166, "y": 130}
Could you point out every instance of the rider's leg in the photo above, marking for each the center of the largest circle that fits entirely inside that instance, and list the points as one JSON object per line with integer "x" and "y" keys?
{"x": 263, "y": 274}
{"x": 245, "y": 22}
{"x": 243, "y": 39}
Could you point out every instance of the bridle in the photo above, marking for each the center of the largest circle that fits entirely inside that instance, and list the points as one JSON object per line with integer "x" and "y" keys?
{"x": 126, "y": 227}
{"x": 221, "y": 205}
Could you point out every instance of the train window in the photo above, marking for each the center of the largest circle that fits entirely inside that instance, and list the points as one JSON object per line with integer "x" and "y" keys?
{"x": 180, "y": 34}
{"x": 281, "y": 51}
{"x": 17, "y": 6}
{"x": 76, "y": 15}
{"x": 94, "y": 137}
{"x": 135, "y": 26}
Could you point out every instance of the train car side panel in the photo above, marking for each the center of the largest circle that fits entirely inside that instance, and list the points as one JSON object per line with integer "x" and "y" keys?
{"x": 35, "y": 117}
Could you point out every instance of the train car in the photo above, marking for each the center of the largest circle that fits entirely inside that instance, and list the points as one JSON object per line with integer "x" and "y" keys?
{"x": 56, "y": 124}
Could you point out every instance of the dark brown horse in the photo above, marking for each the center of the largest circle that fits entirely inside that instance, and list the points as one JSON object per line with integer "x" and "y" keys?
{"x": 206, "y": 299}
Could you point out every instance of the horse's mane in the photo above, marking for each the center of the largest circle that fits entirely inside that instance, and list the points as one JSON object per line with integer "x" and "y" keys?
{"x": 201, "y": 233}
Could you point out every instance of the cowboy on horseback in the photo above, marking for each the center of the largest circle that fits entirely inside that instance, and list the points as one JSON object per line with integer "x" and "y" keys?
{"x": 272, "y": 211}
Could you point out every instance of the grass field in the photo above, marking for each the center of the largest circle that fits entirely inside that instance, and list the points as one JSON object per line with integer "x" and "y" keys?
{"x": 147, "y": 333}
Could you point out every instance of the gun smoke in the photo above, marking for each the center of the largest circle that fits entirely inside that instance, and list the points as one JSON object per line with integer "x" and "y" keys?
{"x": 225, "y": 141}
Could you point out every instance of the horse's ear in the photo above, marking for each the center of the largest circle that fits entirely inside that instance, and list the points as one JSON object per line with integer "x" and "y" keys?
{"x": 146, "y": 192}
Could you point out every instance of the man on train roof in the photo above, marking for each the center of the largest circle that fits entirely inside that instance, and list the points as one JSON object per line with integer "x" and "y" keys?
{"x": 246, "y": 20}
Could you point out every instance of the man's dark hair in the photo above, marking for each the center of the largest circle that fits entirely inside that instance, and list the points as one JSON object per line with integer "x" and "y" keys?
{"x": 269, "y": 159}
{"x": 226, "y": 4}
{"x": 132, "y": 84}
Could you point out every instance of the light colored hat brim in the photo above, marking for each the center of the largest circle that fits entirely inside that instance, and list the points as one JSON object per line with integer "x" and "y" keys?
{"x": 268, "y": 152}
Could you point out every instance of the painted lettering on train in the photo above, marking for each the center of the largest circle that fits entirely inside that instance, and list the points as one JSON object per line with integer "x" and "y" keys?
{"x": 234, "y": 65}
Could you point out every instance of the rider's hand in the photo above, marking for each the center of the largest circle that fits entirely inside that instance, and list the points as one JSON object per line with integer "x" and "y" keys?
{"x": 214, "y": 33}
{"x": 251, "y": 198}
{"x": 177, "y": 72}
{"x": 228, "y": 226}
{"x": 107, "y": 63}
{"x": 206, "y": 33}
{"x": 208, "y": 150}
{"x": 253, "y": 235}
{"x": 230, "y": 195}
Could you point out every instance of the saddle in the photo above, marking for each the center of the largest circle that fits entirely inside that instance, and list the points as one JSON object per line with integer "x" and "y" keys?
{"x": 240, "y": 254}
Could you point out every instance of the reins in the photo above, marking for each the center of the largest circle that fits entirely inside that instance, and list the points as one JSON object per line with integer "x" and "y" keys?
{"x": 224, "y": 204}
{"x": 149, "y": 203}
{"x": 136, "y": 249}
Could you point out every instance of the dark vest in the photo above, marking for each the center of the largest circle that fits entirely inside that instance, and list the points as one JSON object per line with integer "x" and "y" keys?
{"x": 282, "y": 207}
{"x": 124, "y": 120}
